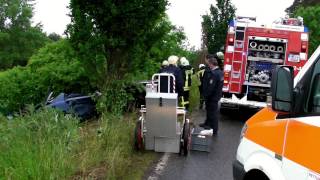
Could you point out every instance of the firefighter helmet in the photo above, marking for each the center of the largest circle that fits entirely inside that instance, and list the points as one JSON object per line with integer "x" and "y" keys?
{"x": 184, "y": 61}
{"x": 173, "y": 60}
{"x": 201, "y": 66}
{"x": 165, "y": 63}
{"x": 220, "y": 55}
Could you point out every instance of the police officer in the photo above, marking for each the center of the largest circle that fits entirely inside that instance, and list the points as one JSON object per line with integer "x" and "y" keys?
{"x": 200, "y": 74}
{"x": 212, "y": 92}
{"x": 187, "y": 72}
{"x": 172, "y": 69}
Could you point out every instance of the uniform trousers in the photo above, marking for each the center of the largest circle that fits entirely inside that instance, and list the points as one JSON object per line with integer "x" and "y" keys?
{"x": 212, "y": 108}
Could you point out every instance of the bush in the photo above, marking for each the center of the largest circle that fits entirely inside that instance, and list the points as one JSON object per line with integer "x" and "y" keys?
{"x": 54, "y": 67}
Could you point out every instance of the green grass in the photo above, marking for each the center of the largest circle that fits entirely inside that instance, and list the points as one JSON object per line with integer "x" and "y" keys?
{"x": 48, "y": 145}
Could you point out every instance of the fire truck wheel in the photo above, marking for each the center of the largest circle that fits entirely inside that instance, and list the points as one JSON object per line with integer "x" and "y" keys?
{"x": 186, "y": 138}
{"x": 138, "y": 137}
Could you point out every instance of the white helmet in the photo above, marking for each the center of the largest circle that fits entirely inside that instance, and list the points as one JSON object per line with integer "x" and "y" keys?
{"x": 184, "y": 61}
{"x": 165, "y": 63}
{"x": 220, "y": 55}
{"x": 201, "y": 66}
{"x": 173, "y": 60}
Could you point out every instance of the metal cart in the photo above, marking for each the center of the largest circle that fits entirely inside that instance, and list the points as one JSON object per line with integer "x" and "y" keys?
{"x": 162, "y": 125}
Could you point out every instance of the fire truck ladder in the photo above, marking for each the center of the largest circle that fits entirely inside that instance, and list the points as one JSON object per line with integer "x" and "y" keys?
{"x": 239, "y": 40}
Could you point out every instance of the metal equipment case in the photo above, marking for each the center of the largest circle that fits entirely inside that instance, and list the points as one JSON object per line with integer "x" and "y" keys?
{"x": 159, "y": 127}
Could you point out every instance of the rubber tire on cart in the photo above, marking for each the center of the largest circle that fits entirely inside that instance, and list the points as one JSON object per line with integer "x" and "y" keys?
{"x": 138, "y": 136}
{"x": 185, "y": 145}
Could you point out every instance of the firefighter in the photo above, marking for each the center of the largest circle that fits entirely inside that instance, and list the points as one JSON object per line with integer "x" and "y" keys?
{"x": 164, "y": 65}
{"x": 200, "y": 74}
{"x": 220, "y": 57}
{"x": 212, "y": 92}
{"x": 187, "y": 72}
{"x": 172, "y": 69}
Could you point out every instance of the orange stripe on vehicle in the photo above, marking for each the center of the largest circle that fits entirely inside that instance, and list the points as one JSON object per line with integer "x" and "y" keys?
{"x": 265, "y": 114}
{"x": 269, "y": 134}
{"x": 303, "y": 145}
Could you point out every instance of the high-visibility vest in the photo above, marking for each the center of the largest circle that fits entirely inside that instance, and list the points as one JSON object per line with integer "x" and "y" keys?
{"x": 200, "y": 74}
{"x": 187, "y": 81}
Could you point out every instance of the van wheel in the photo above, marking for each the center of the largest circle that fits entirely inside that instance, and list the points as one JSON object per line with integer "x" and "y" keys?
{"x": 255, "y": 174}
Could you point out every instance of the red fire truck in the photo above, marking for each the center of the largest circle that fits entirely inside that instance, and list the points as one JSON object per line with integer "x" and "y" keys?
{"x": 252, "y": 51}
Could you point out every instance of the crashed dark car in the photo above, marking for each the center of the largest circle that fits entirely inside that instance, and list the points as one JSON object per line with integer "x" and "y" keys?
{"x": 77, "y": 104}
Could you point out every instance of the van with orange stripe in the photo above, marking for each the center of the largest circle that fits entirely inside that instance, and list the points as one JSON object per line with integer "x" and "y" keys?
{"x": 282, "y": 142}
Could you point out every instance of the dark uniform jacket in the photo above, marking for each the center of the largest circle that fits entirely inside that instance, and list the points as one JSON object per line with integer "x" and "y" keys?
{"x": 179, "y": 80}
{"x": 212, "y": 84}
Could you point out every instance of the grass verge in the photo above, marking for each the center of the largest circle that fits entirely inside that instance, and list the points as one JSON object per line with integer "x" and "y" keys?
{"x": 49, "y": 145}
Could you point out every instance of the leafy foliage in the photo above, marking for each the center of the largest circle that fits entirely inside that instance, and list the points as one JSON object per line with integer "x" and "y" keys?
{"x": 296, "y": 3}
{"x": 106, "y": 33}
{"x": 18, "y": 39}
{"x": 54, "y": 37}
{"x": 55, "y": 67}
{"x": 311, "y": 19}
{"x": 215, "y": 24}
{"x": 168, "y": 40}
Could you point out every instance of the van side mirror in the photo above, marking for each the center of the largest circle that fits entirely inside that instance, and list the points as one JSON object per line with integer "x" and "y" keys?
{"x": 282, "y": 89}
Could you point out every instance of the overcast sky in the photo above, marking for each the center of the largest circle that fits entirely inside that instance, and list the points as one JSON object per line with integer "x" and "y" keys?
{"x": 185, "y": 13}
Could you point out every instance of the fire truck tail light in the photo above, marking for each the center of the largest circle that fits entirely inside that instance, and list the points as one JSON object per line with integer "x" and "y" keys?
{"x": 230, "y": 40}
{"x": 226, "y": 74}
{"x": 304, "y": 37}
{"x": 303, "y": 47}
{"x": 225, "y": 82}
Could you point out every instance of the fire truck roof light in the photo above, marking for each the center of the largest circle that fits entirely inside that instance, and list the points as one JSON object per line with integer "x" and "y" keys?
{"x": 231, "y": 23}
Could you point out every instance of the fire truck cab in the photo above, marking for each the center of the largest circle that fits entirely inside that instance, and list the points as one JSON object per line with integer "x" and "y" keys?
{"x": 252, "y": 51}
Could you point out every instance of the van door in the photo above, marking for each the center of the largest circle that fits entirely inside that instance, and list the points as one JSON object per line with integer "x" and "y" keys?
{"x": 301, "y": 153}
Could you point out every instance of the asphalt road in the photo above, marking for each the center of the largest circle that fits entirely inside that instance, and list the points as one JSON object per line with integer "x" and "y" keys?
{"x": 215, "y": 165}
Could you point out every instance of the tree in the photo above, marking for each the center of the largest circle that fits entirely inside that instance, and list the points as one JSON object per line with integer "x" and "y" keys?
{"x": 105, "y": 33}
{"x": 54, "y": 37}
{"x": 18, "y": 39}
{"x": 311, "y": 19}
{"x": 215, "y": 24}
{"x": 296, "y": 3}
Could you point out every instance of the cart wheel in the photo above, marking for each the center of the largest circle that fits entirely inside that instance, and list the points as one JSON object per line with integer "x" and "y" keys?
{"x": 138, "y": 139}
{"x": 186, "y": 138}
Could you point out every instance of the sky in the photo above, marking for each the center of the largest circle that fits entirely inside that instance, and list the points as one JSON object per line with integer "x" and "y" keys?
{"x": 184, "y": 13}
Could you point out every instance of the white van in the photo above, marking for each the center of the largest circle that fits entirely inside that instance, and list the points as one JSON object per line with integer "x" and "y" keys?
{"x": 282, "y": 142}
